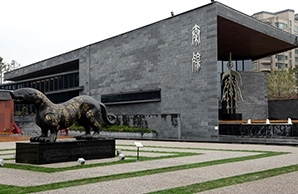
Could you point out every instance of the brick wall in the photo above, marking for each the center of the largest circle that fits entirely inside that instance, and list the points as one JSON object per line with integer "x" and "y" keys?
{"x": 160, "y": 56}
{"x": 254, "y": 92}
{"x": 283, "y": 109}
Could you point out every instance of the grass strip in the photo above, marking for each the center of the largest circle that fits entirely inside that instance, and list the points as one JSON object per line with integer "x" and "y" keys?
{"x": 141, "y": 158}
{"x": 8, "y": 159}
{"x": 76, "y": 167}
{"x": 16, "y": 189}
{"x": 191, "y": 148}
{"x": 214, "y": 184}
{"x": 6, "y": 154}
{"x": 8, "y": 149}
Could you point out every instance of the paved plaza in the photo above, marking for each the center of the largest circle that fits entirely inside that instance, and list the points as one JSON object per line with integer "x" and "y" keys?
{"x": 163, "y": 151}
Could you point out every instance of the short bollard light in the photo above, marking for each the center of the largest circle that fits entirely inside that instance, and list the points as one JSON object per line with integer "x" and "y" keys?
{"x": 81, "y": 161}
{"x": 120, "y": 155}
{"x": 267, "y": 122}
{"x": 138, "y": 145}
{"x": 2, "y": 162}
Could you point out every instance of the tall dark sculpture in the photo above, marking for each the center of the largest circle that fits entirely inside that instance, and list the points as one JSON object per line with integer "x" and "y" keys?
{"x": 84, "y": 110}
{"x": 231, "y": 92}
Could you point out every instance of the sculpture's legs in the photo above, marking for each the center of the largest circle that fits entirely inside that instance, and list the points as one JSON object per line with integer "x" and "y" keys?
{"x": 87, "y": 135}
{"x": 44, "y": 137}
{"x": 41, "y": 138}
{"x": 94, "y": 123}
{"x": 92, "y": 120}
{"x": 53, "y": 136}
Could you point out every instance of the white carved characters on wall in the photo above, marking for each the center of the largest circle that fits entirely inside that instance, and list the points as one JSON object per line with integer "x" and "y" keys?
{"x": 196, "y": 35}
{"x": 196, "y": 56}
{"x": 196, "y": 62}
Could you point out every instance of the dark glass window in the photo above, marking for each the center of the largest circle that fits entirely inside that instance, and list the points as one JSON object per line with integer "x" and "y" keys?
{"x": 71, "y": 80}
{"x": 42, "y": 86}
{"x": 48, "y": 84}
{"x": 65, "y": 81}
{"x": 132, "y": 97}
{"x": 61, "y": 83}
{"x": 51, "y": 84}
{"x": 37, "y": 85}
{"x": 56, "y": 83}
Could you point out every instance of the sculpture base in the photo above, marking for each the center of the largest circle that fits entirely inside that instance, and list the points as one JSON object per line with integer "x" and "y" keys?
{"x": 232, "y": 116}
{"x": 66, "y": 151}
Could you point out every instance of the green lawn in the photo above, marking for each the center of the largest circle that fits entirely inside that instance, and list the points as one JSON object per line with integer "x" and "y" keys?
{"x": 169, "y": 154}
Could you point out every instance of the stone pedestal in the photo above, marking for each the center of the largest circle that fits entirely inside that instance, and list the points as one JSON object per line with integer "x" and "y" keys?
{"x": 232, "y": 116}
{"x": 45, "y": 153}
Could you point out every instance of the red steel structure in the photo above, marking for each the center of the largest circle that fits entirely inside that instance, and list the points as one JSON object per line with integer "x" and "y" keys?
{"x": 6, "y": 113}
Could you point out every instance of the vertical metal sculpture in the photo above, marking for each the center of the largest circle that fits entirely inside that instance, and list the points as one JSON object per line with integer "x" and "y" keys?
{"x": 231, "y": 93}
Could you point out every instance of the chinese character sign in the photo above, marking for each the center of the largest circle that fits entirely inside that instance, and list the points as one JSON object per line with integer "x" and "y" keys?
{"x": 196, "y": 35}
{"x": 196, "y": 62}
{"x": 196, "y": 56}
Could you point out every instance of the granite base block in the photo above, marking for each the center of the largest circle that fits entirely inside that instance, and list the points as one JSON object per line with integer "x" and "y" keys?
{"x": 65, "y": 151}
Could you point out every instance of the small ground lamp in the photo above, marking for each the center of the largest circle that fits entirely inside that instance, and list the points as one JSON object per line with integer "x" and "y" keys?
{"x": 81, "y": 161}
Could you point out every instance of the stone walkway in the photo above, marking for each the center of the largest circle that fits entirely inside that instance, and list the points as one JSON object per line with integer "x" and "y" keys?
{"x": 285, "y": 183}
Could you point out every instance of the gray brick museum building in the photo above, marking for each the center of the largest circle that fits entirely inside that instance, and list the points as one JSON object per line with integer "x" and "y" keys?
{"x": 167, "y": 75}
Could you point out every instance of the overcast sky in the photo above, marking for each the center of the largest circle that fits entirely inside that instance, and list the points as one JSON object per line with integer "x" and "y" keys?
{"x": 34, "y": 30}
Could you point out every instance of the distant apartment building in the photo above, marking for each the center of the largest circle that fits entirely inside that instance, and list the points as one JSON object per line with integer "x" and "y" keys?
{"x": 286, "y": 20}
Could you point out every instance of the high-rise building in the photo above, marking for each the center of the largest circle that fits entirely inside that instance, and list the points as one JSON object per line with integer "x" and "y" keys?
{"x": 286, "y": 20}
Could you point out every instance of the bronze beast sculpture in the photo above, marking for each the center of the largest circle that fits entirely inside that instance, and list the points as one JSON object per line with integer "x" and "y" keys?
{"x": 84, "y": 110}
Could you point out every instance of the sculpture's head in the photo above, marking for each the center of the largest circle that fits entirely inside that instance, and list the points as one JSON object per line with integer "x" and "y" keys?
{"x": 25, "y": 95}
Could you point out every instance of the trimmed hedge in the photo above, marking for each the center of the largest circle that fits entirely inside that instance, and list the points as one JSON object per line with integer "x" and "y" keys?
{"x": 115, "y": 128}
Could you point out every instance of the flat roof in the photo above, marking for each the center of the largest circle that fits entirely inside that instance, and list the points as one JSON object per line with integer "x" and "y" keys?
{"x": 249, "y": 38}
{"x": 247, "y": 43}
